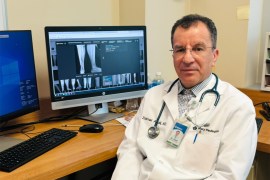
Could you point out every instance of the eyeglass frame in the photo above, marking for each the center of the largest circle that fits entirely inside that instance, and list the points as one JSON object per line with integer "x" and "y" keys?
{"x": 182, "y": 51}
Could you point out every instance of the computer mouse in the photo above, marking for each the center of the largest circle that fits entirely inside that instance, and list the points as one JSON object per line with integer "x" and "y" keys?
{"x": 91, "y": 128}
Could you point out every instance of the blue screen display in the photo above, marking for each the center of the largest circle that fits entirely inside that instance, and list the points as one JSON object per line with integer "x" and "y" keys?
{"x": 18, "y": 86}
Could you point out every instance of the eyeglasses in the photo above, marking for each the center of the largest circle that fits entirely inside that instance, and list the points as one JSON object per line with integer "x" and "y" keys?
{"x": 195, "y": 51}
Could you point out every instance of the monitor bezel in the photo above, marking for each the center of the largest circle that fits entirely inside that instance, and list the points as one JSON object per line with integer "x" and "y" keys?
{"x": 93, "y": 98}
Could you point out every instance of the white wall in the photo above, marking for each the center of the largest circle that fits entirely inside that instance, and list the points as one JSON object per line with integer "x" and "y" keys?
{"x": 240, "y": 60}
{"x": 160, "y": 16}
{"x": 36, "y": 14}
{"x": 131, "y": 12}
{"x": 3, "y": 22}
{"x": 254, "y": 65}
{"x": 232, "y": 37}
{"x": 235, "y": 64}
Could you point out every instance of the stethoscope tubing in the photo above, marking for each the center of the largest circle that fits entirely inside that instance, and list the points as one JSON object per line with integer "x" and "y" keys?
{"x": 213, "y": 90}
{"x": 154, "y": 130}
{"x": 163, "y": 104}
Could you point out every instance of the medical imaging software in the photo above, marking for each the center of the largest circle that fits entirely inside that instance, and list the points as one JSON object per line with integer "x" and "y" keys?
{"x": 92, "y": 61}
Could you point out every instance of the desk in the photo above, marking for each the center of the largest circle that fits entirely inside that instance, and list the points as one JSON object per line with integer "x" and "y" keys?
{"x": 86, "y": 150}
{"x": 80, "y": 152}
{"x": 264, "y": 134}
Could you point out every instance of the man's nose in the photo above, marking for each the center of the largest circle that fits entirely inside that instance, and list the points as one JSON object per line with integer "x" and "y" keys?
{"x": 188, "y": 57}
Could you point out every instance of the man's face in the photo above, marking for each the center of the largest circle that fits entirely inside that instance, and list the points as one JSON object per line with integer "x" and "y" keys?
{"x": 193, "y": 54}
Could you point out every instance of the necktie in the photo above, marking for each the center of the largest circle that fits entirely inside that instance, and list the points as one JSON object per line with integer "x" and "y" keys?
{"x": 183, "y": 98}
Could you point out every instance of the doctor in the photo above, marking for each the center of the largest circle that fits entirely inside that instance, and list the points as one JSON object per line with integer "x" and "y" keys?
{"x": 217, "y": 122}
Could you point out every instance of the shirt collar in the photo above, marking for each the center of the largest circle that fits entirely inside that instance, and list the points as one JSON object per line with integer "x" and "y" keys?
{"x": 196, "y": 89}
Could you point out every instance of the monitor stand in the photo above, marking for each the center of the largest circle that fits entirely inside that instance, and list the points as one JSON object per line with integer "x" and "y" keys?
{"x": 101, "y": 115}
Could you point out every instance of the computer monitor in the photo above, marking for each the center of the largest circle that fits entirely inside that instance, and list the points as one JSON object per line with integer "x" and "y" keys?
{"x": 96, "y": 64}
{"x": 18, "y": 85}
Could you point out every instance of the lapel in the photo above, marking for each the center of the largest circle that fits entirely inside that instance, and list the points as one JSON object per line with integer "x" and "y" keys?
{"x": 171, "y": 100}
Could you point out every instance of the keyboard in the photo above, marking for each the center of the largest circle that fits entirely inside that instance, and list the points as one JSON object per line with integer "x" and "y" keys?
{"x": 19, "y": 154}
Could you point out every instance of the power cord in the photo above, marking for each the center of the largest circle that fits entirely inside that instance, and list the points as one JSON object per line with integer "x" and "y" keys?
{"x": 50, "y": 119}
{"x": 97, "y": 106}
{"x": 261, "y": 103}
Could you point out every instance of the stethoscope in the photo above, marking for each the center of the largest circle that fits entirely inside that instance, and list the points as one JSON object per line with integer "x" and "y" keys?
{"x": 154, "y": 131}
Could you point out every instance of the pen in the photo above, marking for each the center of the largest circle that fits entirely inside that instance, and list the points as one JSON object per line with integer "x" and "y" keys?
{"x": 71, "y": 125}
{"x": 195, "y": 138}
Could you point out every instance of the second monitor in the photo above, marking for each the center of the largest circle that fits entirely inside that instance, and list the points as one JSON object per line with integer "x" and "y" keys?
{"x": 96, "y": 64}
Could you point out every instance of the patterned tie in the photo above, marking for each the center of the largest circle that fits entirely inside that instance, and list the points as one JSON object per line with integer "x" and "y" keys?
{"x": 183, "y": 98}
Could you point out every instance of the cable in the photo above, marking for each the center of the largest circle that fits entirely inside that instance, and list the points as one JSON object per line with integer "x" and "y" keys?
{"x": 26, "y": 130}
{"x": 3, "y": 124}
{"x": 97, "y": 108}
{"x": 50, "y": 119}
{"x": 261, "y": 103}
{"x": 6, "y": 128}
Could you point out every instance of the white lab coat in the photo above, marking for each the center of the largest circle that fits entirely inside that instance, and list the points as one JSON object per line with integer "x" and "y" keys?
{"x": 224, "y": 150}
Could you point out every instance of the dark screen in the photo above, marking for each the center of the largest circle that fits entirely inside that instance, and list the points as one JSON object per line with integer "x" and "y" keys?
{"x": 18, "y": 87}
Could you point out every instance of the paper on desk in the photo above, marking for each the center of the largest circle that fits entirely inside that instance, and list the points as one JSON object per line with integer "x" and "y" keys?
{"x": 126, "y": 119}
{"x": 122, "y": 121}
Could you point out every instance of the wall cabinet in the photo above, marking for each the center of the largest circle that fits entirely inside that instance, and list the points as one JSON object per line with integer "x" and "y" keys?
{"x": 265, "y": 85}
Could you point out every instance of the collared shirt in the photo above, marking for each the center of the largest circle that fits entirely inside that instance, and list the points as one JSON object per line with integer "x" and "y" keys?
{"x": 185, "y": 95}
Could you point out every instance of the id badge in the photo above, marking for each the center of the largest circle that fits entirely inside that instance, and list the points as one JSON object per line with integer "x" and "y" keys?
{"x": 178, "y": 132}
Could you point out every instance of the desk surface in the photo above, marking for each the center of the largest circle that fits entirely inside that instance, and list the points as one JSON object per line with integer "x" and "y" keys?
{"x": 80, "y": 152}
{"x": 264, "y": 135}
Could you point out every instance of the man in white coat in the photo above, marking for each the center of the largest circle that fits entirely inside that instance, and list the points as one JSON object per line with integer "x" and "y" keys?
{"x": 217, "y": 121}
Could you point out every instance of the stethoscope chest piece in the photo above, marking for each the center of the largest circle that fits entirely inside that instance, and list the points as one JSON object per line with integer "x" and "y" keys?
{"x": 153, "y": 132}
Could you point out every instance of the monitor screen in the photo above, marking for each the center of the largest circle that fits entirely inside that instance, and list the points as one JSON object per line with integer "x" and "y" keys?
{"x": 96, "y": 64}
{"x": 18, "y": 86}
